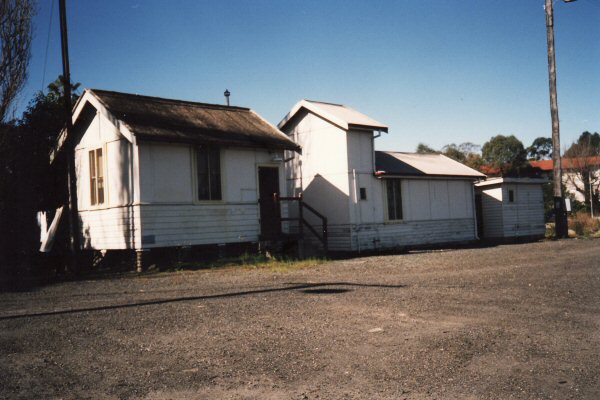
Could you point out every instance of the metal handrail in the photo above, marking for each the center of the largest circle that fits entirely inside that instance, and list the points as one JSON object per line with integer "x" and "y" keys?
{"x": 323, "y": 237}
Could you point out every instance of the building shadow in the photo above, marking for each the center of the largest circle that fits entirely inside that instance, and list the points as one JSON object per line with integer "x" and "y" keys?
{"x": 307, "y": 288}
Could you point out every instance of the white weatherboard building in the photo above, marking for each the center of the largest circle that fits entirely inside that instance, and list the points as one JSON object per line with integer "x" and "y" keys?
{"x": 154, "y": 172}
{"x": 375, "y": 200}
{"x": 512, "y": 208}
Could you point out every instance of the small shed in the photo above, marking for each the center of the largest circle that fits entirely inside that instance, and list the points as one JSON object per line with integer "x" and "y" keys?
{"x": 510, "y": 209}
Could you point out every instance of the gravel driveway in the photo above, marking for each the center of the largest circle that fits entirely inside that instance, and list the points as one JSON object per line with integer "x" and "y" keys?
{"x": 518, "y": 321}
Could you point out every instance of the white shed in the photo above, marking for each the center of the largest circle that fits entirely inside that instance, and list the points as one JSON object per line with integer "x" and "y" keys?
{"x": 511, "y": 208}
{"x": 155, "y": 172}
{"x": 375, "y": 200}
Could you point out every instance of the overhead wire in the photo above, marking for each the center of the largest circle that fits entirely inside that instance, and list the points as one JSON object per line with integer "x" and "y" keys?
{"x": 47, "y": 46}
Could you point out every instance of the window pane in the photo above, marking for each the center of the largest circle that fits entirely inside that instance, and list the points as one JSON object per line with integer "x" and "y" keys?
{"x": 394, "y": 199}
{"x": 390, "y": 200}
{"x": 100, "y": 190}
{"x": 92, "y": 156}
{"x": 202, "y": 170}
{"x": 215, "y": 174}
{"x": 398, "y": 197}
{"x": 99, "y": 163}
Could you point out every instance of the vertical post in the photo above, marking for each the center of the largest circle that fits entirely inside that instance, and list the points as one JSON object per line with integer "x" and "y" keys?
{"x": 69, "y": 143}
{"x": 591, "y": 193}
{"x": 560, "y": 214}
{"x": 300, "y": 228}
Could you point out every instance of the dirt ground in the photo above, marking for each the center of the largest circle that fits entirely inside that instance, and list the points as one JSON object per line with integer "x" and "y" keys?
{"x": 514, "y": 321}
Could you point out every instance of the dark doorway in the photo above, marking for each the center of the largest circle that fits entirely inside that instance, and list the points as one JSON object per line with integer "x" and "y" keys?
{"x": 270, "y": 213}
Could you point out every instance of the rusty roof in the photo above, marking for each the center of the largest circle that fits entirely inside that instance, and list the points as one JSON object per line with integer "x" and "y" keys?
{"x": 155, "y": 118}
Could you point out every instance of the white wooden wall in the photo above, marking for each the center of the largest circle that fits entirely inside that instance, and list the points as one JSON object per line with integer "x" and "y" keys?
{"x": 157, "y": 207}
{"x": 170, "y": 213}
{"x": 109, "y": 225}
{"x": 523, "y": 217}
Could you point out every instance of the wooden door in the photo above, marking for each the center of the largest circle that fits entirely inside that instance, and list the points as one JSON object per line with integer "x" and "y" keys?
{"x": 270, "y": 213}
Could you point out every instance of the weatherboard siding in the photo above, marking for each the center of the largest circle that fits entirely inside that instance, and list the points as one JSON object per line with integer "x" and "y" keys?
{"x": 524, "y": 216}
{"x": 110, "y": 228}
{"x": 165, "y": 225}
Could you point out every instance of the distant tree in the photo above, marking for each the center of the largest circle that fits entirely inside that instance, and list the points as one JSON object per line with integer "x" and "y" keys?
{"x": 504, "y": 152}
{"x": 15, "y": 43}
{"x": 583, "y": 173}
{"x": 454, "y": 152}
{"x": 422, "y": 148}
{"x": 540, "y": 149}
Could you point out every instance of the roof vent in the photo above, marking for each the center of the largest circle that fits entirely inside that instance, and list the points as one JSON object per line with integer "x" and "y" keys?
{"x": 227, "y": 93}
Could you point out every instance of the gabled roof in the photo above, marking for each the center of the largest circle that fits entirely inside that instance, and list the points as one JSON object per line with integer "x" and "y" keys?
{"x": 155, "y": 118}
{"x": 567, "y": 163}
{"x": 396, "y": 164}
{"x": 338, "y": 114}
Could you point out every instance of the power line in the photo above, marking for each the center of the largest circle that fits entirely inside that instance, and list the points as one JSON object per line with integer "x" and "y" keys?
{"x": 47, "y": 45}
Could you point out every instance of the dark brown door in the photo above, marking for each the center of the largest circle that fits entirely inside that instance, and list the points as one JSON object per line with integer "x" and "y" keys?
{"x": 270, "y": 213}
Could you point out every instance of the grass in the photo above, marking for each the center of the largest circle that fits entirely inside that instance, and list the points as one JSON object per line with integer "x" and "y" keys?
{"x": 250, "y": 262}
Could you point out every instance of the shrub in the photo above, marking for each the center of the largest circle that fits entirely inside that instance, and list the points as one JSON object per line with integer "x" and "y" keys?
{"x": 583, "y": 224}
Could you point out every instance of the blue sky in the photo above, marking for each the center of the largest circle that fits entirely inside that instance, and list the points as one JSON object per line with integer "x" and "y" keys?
{"x": 435, "y": 71}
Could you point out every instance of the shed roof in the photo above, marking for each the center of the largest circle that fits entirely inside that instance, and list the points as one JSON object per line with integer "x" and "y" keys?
{"x": 155, "y": 118}
{"x": 392, "y": 164}
{"x": 518, "y": 181}
{"x": 343, "y": 116}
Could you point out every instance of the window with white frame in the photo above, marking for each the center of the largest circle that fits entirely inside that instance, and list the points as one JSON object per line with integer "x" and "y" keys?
{"x": 96, "y": 177}
{"x": 394, "y": 199}
{"x": 208, "y": 168}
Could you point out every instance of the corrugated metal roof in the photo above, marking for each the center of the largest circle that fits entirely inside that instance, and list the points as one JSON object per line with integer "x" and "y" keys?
{"x": 389, "y": 163}
{"x": 155, "y": 118}
{"x": 523, "y": 181}
{"x": 343, "y": 116}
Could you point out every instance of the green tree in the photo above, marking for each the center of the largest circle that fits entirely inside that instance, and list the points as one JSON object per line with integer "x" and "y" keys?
{"x": 504, "y": 152}
{"x": 454, "y": 152}
{"x": 25, "y": 179}
{"x": 15, "y": 43}
{"x": 422, "y": 148}
{"x": 540, "y": 149}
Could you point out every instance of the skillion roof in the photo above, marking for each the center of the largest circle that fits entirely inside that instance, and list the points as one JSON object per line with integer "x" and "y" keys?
{"x": 155, "y": 118}
{"x": 396, "y": 164}
{"x": 343, "y": 116}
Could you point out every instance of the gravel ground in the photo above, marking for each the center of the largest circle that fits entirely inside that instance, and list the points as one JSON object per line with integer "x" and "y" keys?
{"x": 518, "y": 321}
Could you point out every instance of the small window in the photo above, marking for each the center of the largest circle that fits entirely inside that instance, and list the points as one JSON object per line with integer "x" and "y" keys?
{"x": 394, "y": 199}
{"x": 363, "y": 193}
{"x": 96, "y": 177}
{"x": 511, "y": 196}
{"x": 208, "y": 167}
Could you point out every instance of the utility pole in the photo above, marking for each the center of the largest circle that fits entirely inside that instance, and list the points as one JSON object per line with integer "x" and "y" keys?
{"x": 560, "y": 214}
{"x": 69, "y": 144}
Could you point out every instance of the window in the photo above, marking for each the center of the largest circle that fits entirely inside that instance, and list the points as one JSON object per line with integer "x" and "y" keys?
{"x": 511, "y": 196}
{"x": 96, "y": 177}
{"x": 208, "y": 165}
{"x": 363, "y": 193}
{"x": 394, "y": 199}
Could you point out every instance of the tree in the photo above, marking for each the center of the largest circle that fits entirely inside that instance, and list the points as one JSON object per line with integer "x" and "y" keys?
{"x": 422, "y": 148}
{"x": 504, "y": 152}
{"x": 453, "y": 151}
{"x": 26, "y": 183}
{"x": 15, "y": 43}
{"x": 540, "y": 149}
{"x": 582, "y": 164}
